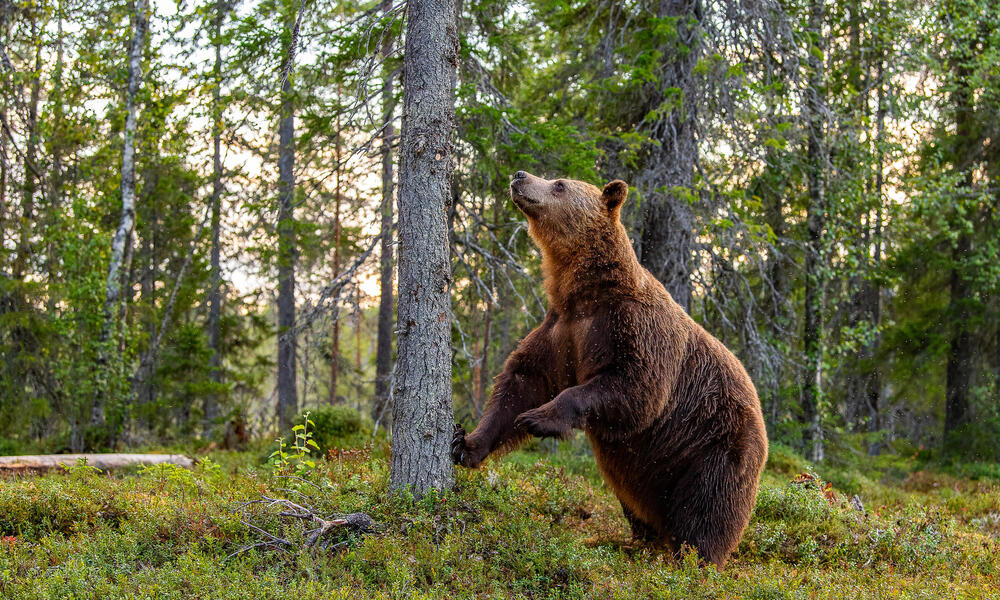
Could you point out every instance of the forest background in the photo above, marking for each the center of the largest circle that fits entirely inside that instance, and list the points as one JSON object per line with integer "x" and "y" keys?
{"x": 817, "y": 183}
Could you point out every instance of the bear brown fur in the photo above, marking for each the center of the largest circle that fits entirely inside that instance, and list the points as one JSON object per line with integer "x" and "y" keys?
{"x": 672, "y": 415}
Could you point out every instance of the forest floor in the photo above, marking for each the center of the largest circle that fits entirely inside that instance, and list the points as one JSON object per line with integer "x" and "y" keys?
{"x": 536, "y": 524}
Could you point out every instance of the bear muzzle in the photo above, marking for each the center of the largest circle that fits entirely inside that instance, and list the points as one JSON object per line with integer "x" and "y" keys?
{"x": 517, "y": 193}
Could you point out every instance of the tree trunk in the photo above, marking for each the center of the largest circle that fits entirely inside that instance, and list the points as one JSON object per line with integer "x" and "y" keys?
{"x": 856, "y": 376}
{"x": 960, "y": 355}
{"x": 57, "y": 139}
{"x": 287, "y": 252}
{"x": 815, "y": 223}
{"x": 874, "y": 380}
{"x": 30, "y": 186}
{"x": 145, "y": 393}
{"x": 422, "y": 412}
{"x": 383, "y": 352}
{"x": 335, "y": 336}
{"x": 481, "y": 383}
{"x": 358, "y": 322}
{"x": 121, "y": 243}
{"x": 771, "y": 189}
{"x": 667, "y": 241}
{"x": 5, "y": 99}
{"x": 215, "y": 284}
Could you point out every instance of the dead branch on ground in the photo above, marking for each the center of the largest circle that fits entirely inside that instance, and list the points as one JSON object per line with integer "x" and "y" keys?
{"x": 331, "y": 534}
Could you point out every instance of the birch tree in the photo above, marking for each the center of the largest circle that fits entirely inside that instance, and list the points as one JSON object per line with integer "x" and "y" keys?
{"x": 122, "y": 241}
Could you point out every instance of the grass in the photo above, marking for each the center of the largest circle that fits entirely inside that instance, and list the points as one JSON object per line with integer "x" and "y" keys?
{"x": 536, "y": 524}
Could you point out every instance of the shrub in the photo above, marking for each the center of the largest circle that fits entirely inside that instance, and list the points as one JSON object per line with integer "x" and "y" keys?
{"x": 781, "y": 459}
{"x": 338, "y": 427}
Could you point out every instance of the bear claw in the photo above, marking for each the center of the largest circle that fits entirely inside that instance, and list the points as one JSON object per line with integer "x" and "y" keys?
{"x": 463, "y": 453}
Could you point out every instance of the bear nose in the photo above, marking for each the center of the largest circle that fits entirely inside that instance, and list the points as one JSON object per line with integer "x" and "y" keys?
{"x": 520, "y": 175}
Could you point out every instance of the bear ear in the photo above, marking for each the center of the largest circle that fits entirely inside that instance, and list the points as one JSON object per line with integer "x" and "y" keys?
{"x": 615, "y": 193}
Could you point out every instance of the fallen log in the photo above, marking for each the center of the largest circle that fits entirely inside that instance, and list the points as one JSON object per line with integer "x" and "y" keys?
{"x": 104, "y": 462}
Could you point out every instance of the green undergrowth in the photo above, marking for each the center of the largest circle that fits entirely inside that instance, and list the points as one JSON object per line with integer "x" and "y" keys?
{"x": 536, "y": 524}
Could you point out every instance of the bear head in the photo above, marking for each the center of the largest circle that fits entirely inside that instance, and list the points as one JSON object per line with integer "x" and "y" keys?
{"x": 563, "y": 213}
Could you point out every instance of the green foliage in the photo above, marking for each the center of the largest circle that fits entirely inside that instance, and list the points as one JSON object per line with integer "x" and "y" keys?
{"x": 977, "y": 440}
{"x": 572, "y": 89}
{"x": 297, "y": 456}
{"x": 338, "y": 426}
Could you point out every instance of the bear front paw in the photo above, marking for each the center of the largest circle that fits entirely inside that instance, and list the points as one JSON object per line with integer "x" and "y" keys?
{"x": 464, "y": 451}
{"x": 539, "y": 423}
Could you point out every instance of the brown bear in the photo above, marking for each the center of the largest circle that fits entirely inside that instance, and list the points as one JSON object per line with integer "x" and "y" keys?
{"x": 672, "y": 415}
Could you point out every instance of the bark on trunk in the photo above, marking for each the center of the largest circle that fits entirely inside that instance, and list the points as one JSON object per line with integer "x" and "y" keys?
{"x": 960, "y": 355}
{"x": 815, "y": 223}
{"x": 211, "y": 408}
{"x": 335, "y": 334}
{"x": 120, "y": 244}
{"x": 422, "y": 412}
{"x": 667, "y": 241}
{"x": 145, "y": 391}
{"x": 5, "y": 98}
{"x": 57, "y": 139}
{"x": 481, "y": 375}
{"x": 856, "y": 377}
{"x": 383, "y": 352}
{"x": 874, "y": 381}
{"x": 287, "y": 254}
{"x": 770, "y": 190}
{"x": 30, "y": 186}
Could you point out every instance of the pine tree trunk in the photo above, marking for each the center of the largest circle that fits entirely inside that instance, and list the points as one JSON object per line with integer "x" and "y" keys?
{"x": 56, "y": 141}
{"x": 335, "y": 335}
{"x": 145, "y": 393}
{"x": 122, "y": 242}
{"x": 815, "y": 223}
{"x": 960, "y": 355}
{"x": 422, "y": 413}
{"x": 874, "y": 380}
{"x": 287, "y": 253}
{"x": 771, "y": 194}
{"x": 5, "y": 98}
{"x": 211, "y": 409}
{"x": 30, "y": 186}
{"x": 667, "y": 241}
{"x": 855, "y": 380}
{"x": 383, "y": 352}
{"x": 482, "y": 385}
{"x": 960, "y": 366}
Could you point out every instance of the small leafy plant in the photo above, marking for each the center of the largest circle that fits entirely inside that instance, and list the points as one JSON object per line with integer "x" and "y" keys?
{"x": 81, "y": 470}
{"x": 170, "y": 476}
{"x": 297, "y": 456}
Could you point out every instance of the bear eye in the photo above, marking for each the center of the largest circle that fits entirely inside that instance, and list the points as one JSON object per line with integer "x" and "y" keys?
{"x": 559, "y": 186}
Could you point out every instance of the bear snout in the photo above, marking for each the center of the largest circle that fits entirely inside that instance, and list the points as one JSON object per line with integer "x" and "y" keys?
{"x": 517, "y": 190}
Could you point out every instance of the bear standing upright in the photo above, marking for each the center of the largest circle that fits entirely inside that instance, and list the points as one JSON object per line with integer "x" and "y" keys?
{"x": 672, "y": 415}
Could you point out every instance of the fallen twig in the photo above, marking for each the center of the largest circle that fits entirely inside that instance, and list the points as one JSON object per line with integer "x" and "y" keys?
{"x": 320, "y": 535}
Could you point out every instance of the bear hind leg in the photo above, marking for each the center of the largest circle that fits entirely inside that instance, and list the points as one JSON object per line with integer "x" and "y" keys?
{"x": 642, "y": 532}
{"x": 721, "y": 513}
